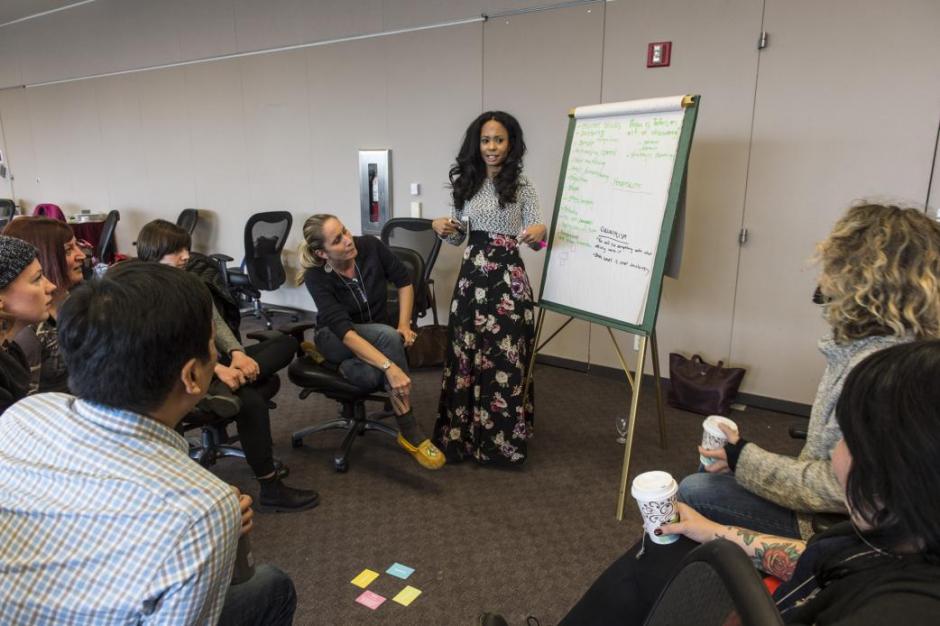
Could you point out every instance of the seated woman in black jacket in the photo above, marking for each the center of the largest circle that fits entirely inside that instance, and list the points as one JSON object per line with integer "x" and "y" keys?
{"x": 240, "y": 368}
{"x": 880, "y": 567}
{"x": 25, "y": 298}
{"x": 347, "y": 278}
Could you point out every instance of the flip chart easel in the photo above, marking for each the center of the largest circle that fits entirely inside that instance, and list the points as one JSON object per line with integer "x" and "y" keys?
{"x": 621, "y": 181}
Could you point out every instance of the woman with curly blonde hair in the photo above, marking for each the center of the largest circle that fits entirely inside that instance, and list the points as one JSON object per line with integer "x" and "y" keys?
{"x": 879, "y": 286}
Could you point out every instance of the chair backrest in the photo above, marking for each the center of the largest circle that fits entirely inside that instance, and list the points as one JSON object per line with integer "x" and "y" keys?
{"x": 265, "y": 236}
{"x": 714, "y": 580}
{"x": 7, "y": 209}
{"x": 106, "y": 248}
{"x": 412, "y": 260}
{"x": 52, "y": 211}
{"x": 187, "y": 220}
{"x": 415, "y": 233}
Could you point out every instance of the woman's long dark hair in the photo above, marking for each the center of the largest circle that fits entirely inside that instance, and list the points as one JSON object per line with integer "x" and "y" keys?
{"x": 889, "y": 413}
{"x": 468, "y": 174}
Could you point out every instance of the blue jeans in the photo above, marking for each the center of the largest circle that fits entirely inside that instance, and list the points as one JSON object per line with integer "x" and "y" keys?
{"x": 721, "y": 499}
{"x": 383, "y": 337}
{"x": 266, "y": 599}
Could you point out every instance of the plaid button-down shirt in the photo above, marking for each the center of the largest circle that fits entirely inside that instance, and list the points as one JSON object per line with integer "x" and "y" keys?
{"x": 105, "y": 520}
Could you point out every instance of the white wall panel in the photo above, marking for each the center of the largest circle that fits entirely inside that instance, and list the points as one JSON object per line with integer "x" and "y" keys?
{"x": 279, "y": 156}
{"x": 539, "y": 83}
{"x": 713, "y": 54}
{"x": 18, "y": 136}
{"x": 840, "y": 116}
{"x": 214, "y": 112}
{"x": 428, "y": 111}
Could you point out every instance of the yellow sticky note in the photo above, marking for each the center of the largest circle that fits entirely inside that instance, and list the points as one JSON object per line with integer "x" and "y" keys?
{"x": 364, "y": 578}
{"x": 407, "y": 595}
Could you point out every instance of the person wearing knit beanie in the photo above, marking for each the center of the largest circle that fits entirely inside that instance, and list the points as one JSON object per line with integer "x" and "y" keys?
{"x": 15, "y": 256}
{"x": 25, "y": 298}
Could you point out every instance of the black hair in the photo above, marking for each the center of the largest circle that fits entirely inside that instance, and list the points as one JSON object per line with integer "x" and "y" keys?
{"x": 160, "y": 238}
{"x": 126, "y": 336}
{"x": 468, "y": 174}
{"x": 889, "y": 413}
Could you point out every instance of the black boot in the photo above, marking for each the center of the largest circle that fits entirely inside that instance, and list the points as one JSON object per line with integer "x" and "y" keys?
{"x": 278, "y": 497}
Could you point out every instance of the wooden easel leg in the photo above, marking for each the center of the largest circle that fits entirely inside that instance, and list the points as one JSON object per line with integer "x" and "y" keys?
{"x": 654, "y": 352}
{"x": 634, "y": 403}
{"x": 528, "y": 371}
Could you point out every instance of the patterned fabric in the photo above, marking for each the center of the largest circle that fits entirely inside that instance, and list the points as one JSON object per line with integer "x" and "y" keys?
{"x": 806, "y": 483}
{"x": 485, "y": 214}
{"x": 105, "y": 520}
{"x": 492, "y": 328}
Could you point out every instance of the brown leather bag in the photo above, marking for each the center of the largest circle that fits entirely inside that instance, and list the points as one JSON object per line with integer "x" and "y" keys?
{"x": 429, "y": 347}
{"x": 700, "y": 387}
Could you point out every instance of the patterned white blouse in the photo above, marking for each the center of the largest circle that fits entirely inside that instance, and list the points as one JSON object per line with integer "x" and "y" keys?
{"x": 484, "y": 213}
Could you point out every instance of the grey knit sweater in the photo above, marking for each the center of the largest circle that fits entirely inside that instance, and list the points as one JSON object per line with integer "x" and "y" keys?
{"x": 806, "y": 483}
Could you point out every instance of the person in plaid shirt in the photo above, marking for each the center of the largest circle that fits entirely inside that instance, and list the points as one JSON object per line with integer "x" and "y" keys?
{"x": 104, "y": 518}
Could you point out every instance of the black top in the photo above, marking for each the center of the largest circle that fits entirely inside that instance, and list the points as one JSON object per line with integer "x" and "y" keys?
{"x": 14, "y": 375}
{"x": 840, "y": 579}
{"x": 342, "y": 302}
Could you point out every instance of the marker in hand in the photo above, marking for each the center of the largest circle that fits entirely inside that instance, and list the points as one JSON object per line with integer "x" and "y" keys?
{"x": 535, "y": 245}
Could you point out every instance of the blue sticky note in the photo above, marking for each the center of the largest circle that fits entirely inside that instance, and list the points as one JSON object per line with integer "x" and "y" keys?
{"x": 399, "y": 570}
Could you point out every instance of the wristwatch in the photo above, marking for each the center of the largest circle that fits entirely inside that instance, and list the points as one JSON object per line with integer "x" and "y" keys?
{"x": 386, "y": 365}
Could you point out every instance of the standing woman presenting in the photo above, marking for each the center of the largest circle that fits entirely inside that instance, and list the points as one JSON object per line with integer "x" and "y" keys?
{"x": 482, "y": 412}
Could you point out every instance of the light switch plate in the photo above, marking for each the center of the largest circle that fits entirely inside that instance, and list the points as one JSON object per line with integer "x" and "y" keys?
{"x": 415, "y": 209}
{"x": 415, "y": 189}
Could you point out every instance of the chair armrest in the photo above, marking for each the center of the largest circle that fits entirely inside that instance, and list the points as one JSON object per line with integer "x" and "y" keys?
{"x": 797, "y": 432}
{"x": 221, "y": 260}
{"x": 296, "y": 330}
{"x": 264, "y": 335}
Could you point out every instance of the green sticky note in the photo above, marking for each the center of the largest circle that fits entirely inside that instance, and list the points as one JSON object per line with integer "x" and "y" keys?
{"x": 407, "y": 595}
{"x": 364, "y": 578}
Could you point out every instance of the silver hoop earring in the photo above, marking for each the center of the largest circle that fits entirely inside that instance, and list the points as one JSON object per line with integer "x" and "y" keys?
{"x": 327, "y": 267}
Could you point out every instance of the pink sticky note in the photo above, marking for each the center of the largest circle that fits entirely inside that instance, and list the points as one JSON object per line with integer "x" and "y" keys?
{"x": 371, "y": 600}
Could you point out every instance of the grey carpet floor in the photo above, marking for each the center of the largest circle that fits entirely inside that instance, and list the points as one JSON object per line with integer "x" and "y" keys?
{"x": 515, "y": 541}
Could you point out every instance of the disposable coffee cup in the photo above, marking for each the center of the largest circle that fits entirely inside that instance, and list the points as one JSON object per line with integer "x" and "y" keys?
{"x": 655, "y": 494}
{"x": 713, "y": 437}
{"x": 244, "y": 562}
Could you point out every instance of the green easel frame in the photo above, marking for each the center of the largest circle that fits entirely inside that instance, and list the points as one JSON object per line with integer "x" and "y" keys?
{"x": 646, "y": 331}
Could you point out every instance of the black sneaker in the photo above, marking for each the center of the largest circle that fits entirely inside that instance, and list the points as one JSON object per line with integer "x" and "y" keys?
{"x": 278, "y": 497}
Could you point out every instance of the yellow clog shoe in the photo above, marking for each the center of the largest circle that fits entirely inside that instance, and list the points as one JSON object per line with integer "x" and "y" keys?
{"x": 426, "y": 454}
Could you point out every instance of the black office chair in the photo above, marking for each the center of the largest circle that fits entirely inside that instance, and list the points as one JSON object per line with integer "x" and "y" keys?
{"x": 262, "y": 269}
{"x": 106, "y": 245}
{"x": 215, "y": 442}
{"x": 324, "y": 378}
{"x": 416, "y": 233}
{"x": 7, "y": 211}
{"x": 187, "y": 220}
{"x": 715, "y": 580}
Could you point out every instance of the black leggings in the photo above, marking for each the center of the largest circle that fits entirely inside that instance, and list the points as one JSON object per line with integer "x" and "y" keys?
{"x": 254, "y": 420}
{"x": 627, "y": 590}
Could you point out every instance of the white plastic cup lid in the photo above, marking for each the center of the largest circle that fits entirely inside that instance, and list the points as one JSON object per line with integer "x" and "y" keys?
{"x": 654, "y": 486}
{"x": 711, "y": 425}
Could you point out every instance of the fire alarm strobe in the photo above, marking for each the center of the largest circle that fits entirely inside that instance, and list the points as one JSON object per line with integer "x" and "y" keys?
{"x": 658, "y": 53}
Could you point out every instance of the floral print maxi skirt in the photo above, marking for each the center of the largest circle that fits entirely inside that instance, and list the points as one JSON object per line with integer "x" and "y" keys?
{"x": 481, "y": 413}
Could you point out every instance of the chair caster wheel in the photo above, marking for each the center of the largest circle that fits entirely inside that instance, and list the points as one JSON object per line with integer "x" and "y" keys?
{"x": 340, "y": 465}
{"x": 296, "y": 442}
